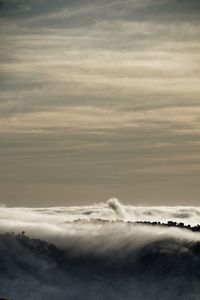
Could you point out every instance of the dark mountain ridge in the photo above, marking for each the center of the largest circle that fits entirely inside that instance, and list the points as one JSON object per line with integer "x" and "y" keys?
{"x": 161, "y": 269}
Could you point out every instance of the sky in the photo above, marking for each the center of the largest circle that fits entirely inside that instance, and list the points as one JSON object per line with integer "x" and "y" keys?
{"x": 99, "y": 99}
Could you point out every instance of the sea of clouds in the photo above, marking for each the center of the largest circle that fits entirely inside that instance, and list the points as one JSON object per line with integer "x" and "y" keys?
{"x": 96, "y": 256}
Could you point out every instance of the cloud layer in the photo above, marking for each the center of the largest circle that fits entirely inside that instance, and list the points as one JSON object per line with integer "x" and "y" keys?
{"x": 91, "y": 258}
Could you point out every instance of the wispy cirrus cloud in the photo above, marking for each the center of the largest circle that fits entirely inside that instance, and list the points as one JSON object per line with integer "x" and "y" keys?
{"x": 82, "y": 118}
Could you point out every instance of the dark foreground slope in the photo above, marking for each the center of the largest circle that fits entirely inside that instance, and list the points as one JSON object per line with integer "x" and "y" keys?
{"x": 34, "y": 269}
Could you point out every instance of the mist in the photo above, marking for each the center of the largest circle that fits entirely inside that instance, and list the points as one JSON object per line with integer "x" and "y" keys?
{"x": 98, "y": 251}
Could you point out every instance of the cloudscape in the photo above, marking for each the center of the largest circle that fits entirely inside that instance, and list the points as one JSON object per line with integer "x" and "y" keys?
{"x": 99, "y": 101}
